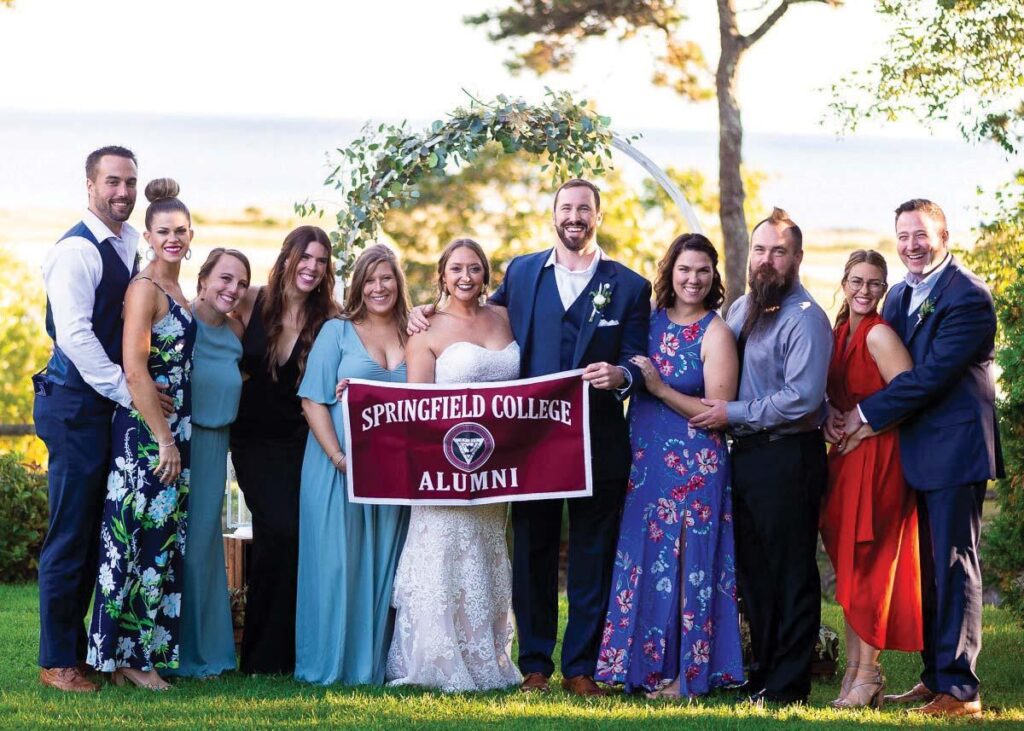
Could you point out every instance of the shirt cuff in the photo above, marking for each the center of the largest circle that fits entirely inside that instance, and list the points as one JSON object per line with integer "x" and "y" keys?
{"x": 122, "y": 395}
{"x": 629, "y": 381}
{"x": 734, "y": 411}
{"x": 862, "y": 417}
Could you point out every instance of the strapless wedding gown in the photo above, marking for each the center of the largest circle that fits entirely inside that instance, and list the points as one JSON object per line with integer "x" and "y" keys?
{"x": 453, "y": 588}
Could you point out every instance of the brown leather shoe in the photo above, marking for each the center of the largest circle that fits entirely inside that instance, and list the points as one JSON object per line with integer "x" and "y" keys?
{"x": 946, "y": 705}
{"x": 69, "y": 680}
{"x": 535, "y": 683}
{"x": 918, "y": 694}
{"x": 583, "y": 685}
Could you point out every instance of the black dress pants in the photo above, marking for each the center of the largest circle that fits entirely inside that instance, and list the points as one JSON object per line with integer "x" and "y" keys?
{"x": 777, "y": 491}
{"x": 269, "y": 474}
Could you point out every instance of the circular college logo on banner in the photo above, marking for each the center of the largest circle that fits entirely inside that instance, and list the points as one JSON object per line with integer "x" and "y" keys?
{"x": 468, "y": 446}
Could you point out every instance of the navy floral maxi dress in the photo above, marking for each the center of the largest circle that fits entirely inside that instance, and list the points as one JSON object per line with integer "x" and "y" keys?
{"x": 672, "y": 610}
{"x": 138, "y": 593}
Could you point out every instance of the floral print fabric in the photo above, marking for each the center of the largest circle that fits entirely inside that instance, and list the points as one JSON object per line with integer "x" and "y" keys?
{"x": 672, "y": 610}
{"x": 138, "y": 593}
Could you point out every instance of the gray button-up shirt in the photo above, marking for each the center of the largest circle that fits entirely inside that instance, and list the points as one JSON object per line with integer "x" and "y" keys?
{"x": 784, "y": 368}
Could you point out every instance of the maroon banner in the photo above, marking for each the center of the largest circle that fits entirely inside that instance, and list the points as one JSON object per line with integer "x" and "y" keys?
{"x": 427, "y": 444}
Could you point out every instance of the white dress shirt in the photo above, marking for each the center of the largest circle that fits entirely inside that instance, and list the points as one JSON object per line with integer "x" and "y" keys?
{"x": 572, "y": 283}
{"x": 72, "y": 270}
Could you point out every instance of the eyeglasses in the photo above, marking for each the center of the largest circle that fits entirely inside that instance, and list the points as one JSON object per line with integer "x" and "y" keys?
{"x": 856, "y": 283}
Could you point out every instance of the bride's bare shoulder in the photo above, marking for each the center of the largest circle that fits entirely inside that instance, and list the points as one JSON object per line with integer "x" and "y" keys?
{"x": 497, "y": 311}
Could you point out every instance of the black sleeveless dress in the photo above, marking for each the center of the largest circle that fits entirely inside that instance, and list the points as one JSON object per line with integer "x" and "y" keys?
{"x": 267, "y": 443}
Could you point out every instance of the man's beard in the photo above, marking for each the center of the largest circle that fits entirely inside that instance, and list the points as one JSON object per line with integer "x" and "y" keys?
{"x": 575, "y": 244}
{"x": 106, "y": 207}
{"x": 767, "y": 290}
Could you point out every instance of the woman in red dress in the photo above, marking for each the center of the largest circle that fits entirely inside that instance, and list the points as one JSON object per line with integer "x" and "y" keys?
{"x": 869, "y": 520}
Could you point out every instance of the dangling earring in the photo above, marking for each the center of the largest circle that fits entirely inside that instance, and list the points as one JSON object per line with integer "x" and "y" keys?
{"x": 150, "y": 254}
{"x": 188, "y": 254}
{"x": 482, "y": 299}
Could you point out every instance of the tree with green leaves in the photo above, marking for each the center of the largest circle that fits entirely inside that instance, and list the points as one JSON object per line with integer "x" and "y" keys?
{"x": 962, "y": 61}
{"x": 553, "y": 29}
{"x": 24, "y": 349}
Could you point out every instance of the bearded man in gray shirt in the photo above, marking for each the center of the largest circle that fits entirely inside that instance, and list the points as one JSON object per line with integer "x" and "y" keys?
{"x": 780, "y": 468}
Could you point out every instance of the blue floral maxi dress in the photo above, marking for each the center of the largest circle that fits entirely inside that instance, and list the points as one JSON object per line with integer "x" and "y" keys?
{"x": 138, "y": 593}
{"x": 672, "y": 610}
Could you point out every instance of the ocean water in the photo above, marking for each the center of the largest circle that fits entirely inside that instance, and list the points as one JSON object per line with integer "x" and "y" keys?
{"x": 233, "y": 163}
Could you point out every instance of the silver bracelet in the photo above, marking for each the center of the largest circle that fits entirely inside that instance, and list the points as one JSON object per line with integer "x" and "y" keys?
{"x": 169, "y": 444}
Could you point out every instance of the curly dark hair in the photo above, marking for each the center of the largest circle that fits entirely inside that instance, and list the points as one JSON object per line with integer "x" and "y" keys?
{"x": 665, "y": 294}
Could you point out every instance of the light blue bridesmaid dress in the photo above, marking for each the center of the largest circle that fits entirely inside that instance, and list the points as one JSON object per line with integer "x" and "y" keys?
{"x": 207, "y": 637}
{"x": 348, "y": 552}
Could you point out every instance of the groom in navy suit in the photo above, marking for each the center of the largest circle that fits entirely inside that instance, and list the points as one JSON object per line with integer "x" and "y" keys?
{"x": 572, "y": 307}
{"x": 949, "y": 446}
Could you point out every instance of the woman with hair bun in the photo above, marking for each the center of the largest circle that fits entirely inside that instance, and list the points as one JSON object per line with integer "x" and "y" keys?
{"x": 268, "y": 439}
{"x": 207, "y": 637}
{"x": 672, "y": 627}
{"x": 137, "y": 604}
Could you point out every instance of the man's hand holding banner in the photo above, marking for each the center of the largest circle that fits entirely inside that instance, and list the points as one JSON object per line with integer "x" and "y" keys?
{"x": 426, "y": 444}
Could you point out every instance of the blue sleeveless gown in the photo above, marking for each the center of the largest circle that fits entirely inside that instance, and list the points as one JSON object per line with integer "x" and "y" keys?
{"x": 207, "y": 634}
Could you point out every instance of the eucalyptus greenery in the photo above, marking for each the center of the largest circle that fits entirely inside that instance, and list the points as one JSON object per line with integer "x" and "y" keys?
{"x": 381, "y": 169}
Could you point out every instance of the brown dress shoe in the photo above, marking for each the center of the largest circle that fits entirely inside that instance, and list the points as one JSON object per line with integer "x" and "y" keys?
{"x": 918, "y": 694}
{"x": 946, "y": 705}
{"x": 67, "y": 679}
{"x": 535, "y": 683}
{"x": 583, "y": 685}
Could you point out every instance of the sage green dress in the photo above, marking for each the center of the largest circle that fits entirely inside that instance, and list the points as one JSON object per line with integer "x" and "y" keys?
{"x": 207, "y": 637}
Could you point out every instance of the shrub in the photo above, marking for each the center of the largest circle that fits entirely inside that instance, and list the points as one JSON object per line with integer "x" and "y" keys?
{"x": 1003, "y": 549}
{"x": 25, "y": 507}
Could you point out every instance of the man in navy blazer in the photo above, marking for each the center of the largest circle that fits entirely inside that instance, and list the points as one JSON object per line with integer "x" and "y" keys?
{"x": 949, "y": 445}
{"x": 572, "y": 307}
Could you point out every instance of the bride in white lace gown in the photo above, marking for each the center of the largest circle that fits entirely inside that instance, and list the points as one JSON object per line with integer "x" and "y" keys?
{"x": 453, "y": 589}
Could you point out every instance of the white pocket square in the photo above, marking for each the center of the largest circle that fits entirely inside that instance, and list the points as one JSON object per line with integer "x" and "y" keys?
{"x": 607, "y": 323}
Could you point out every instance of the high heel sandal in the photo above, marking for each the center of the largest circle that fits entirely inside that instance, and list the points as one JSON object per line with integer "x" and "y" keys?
{"x": 876, "y": 698}
{"x": 844, "y": 686}
{"x": 119, "y": 676}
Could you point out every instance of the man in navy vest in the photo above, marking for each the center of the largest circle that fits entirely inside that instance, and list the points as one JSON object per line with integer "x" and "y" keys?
{"x": 949, "y": 446}
{"x": 572, "y": 307}
{"x": 86, "y": 275}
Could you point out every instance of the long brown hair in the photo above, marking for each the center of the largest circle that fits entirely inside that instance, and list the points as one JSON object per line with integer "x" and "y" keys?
{"x": 355, "y": 304}
{"x": 860, "y": 256}
{"x": 319, "y": 306}
{"x": 442, "y": 263}
{"x": 665, "y": 293}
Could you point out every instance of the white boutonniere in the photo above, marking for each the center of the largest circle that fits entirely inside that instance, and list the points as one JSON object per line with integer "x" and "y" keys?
{"x": 927, "y": 308}
{"x": 601, "y": 298}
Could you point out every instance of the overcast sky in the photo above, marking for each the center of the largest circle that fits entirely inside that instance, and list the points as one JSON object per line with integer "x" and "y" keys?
{"x": 388, "y": 59}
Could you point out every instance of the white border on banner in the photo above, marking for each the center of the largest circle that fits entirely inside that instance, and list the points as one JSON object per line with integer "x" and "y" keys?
{"x": 588, "y": 467}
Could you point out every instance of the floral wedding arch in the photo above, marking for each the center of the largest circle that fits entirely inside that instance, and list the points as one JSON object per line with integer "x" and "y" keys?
{"x": 380, "y": 169}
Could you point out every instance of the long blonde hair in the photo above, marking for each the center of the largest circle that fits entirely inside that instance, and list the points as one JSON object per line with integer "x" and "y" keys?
{"x": 355, "y": 304}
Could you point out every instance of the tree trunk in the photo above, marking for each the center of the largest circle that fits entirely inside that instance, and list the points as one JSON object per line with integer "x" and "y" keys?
{"x": 730, "y": 155}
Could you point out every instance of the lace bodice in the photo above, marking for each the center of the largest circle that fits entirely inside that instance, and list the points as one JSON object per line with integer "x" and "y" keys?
{"x": 453, "y": 588}
{"x": 465, "y": 362}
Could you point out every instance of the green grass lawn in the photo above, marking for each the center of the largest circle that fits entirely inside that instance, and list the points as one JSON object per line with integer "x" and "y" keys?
{"x": 236, "y": 701}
